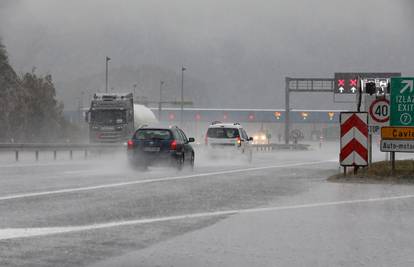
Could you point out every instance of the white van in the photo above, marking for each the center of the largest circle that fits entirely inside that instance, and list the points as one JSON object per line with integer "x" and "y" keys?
{"x": 230, "y": 136}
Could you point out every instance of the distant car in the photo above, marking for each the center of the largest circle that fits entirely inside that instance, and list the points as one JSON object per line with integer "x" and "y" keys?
{"x": 260, "y": 138}
{"x": 230, "y": 136}
{"x": 160, "y": 146}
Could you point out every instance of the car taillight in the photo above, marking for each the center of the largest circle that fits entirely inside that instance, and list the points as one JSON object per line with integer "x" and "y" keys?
{"x": 173, "y": 145}
{"x": 130, "y": 144}
{"x": 238, "y": 140}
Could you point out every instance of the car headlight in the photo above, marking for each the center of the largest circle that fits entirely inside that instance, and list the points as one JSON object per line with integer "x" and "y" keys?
{"x": 263, "y": 137}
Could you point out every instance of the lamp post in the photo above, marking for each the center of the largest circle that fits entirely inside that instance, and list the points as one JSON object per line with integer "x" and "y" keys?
{"x": 160, "y": 102}
{"x": 106, "y": 74}
{"x": 135, "y": 88}
{"x": 81, "y": 106}
{"x": 182, "y": 95}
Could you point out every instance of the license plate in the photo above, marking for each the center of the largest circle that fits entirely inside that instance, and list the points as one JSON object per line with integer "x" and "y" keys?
{"x": 108, "y": 128}
{"x": 152, "y": 149}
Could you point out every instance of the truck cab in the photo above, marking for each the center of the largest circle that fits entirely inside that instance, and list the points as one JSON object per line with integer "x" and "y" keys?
{"x": 110, "y": 117}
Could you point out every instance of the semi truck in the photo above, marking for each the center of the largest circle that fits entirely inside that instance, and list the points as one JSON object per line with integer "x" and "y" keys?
{"x": 113, "y": 117}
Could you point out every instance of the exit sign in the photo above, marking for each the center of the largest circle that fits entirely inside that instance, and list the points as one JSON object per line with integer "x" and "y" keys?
{"x": 402, "y": 101}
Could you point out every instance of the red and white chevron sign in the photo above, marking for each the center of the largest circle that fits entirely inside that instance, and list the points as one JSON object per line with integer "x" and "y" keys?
{"x": 354, "y": 139}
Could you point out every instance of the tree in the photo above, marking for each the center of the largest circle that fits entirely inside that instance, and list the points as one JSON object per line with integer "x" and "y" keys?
{"x": 29, "y": 111}
{"x": 46, "y": 120}
{"x": 10, "y": 96}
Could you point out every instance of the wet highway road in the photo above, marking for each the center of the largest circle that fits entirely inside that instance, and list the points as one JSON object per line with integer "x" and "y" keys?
{"x": 277, "y": 211}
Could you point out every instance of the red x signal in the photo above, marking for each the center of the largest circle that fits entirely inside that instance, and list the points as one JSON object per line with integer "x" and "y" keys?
{"x": 353, "y": 82}
{"x": 341, "y": 82}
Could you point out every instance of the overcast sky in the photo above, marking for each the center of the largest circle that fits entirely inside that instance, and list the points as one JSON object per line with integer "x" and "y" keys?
{"x": 236, "y": 46}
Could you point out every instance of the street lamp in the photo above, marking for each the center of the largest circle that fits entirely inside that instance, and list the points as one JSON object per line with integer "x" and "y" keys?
{"x": 182, "y": 94}
{"x": 160, "y": 102}
{"x": 81, "y": 106}
{"x": 106, "y": 74}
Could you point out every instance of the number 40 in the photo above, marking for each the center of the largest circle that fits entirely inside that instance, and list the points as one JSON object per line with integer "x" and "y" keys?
{"x": 381, "y": 110}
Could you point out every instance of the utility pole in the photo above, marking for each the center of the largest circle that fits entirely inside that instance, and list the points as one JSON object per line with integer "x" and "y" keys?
{"x": 182, "y": 94}
{"x": 287, "y": 110}
{"x": 81, "y": 106}
{"x": 135, "y": 88}
{"x": 160, "y": 102}
{"x": 106, "y": 74}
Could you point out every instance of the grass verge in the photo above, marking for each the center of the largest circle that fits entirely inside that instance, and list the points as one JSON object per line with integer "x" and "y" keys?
{"x": 379, "y": 172}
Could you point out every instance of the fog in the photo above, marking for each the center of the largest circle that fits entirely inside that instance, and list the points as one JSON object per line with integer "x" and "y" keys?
{"x": 236, "y": 52}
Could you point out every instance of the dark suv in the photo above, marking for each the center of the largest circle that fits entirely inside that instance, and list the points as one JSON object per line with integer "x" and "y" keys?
{"x": 160, "y": 145}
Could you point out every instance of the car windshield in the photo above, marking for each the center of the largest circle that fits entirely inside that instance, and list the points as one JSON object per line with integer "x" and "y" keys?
{"x": 151, "y": 134}
{"x": 108, "y": 117}
{"x": 223, "y": 133}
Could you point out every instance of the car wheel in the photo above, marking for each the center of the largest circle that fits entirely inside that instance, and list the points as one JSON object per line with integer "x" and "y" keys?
{"x": 180, "y": 163}
{"x": 192, "y": 161}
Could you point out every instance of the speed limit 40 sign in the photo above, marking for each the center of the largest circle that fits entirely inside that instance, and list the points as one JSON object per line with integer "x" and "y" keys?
{"x": 378, "y": 110}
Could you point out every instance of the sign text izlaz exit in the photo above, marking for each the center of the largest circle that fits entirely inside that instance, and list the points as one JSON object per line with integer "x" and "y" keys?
{"x": 402, "y": 101}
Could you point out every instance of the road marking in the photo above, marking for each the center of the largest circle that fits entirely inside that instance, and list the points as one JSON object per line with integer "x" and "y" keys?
{"x": 163, "y": 179}
{"x": 13, "y": 233}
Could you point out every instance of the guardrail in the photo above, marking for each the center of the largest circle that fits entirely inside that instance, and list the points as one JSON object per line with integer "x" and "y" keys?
{"x": 55, "y": 147}
{"x": 271, "y": 147}
{"x": 86, "y": 148}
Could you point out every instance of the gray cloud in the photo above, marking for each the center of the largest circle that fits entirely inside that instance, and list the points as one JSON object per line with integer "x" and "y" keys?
{"x": 233, "y": 47}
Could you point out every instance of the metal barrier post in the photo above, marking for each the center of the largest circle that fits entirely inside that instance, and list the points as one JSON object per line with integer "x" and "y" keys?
{"x": 17, "y": 155}
{"x": 86, "y": 153}
{"x": 37, "y": 155}
{"x": 54, "y": 154}
{"x": 71, "y": 154}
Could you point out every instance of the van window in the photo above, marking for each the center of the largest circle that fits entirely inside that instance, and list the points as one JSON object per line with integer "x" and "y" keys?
{"x": 223, "y": 133}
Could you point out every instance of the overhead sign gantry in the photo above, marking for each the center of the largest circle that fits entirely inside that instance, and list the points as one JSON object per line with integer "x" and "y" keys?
{"x": 302, "y": 85}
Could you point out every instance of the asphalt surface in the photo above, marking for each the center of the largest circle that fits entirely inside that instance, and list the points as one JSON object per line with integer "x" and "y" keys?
{"x": 277, "y": 211}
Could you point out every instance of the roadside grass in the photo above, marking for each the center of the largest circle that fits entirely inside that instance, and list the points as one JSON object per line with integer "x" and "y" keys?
{"x": 379, "y": 172}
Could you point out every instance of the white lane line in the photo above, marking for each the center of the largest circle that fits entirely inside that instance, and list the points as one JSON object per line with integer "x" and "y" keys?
{"x": 88, "y": 172}
{"x": 163, "y": 179}
{"x": 13, "y": 233}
